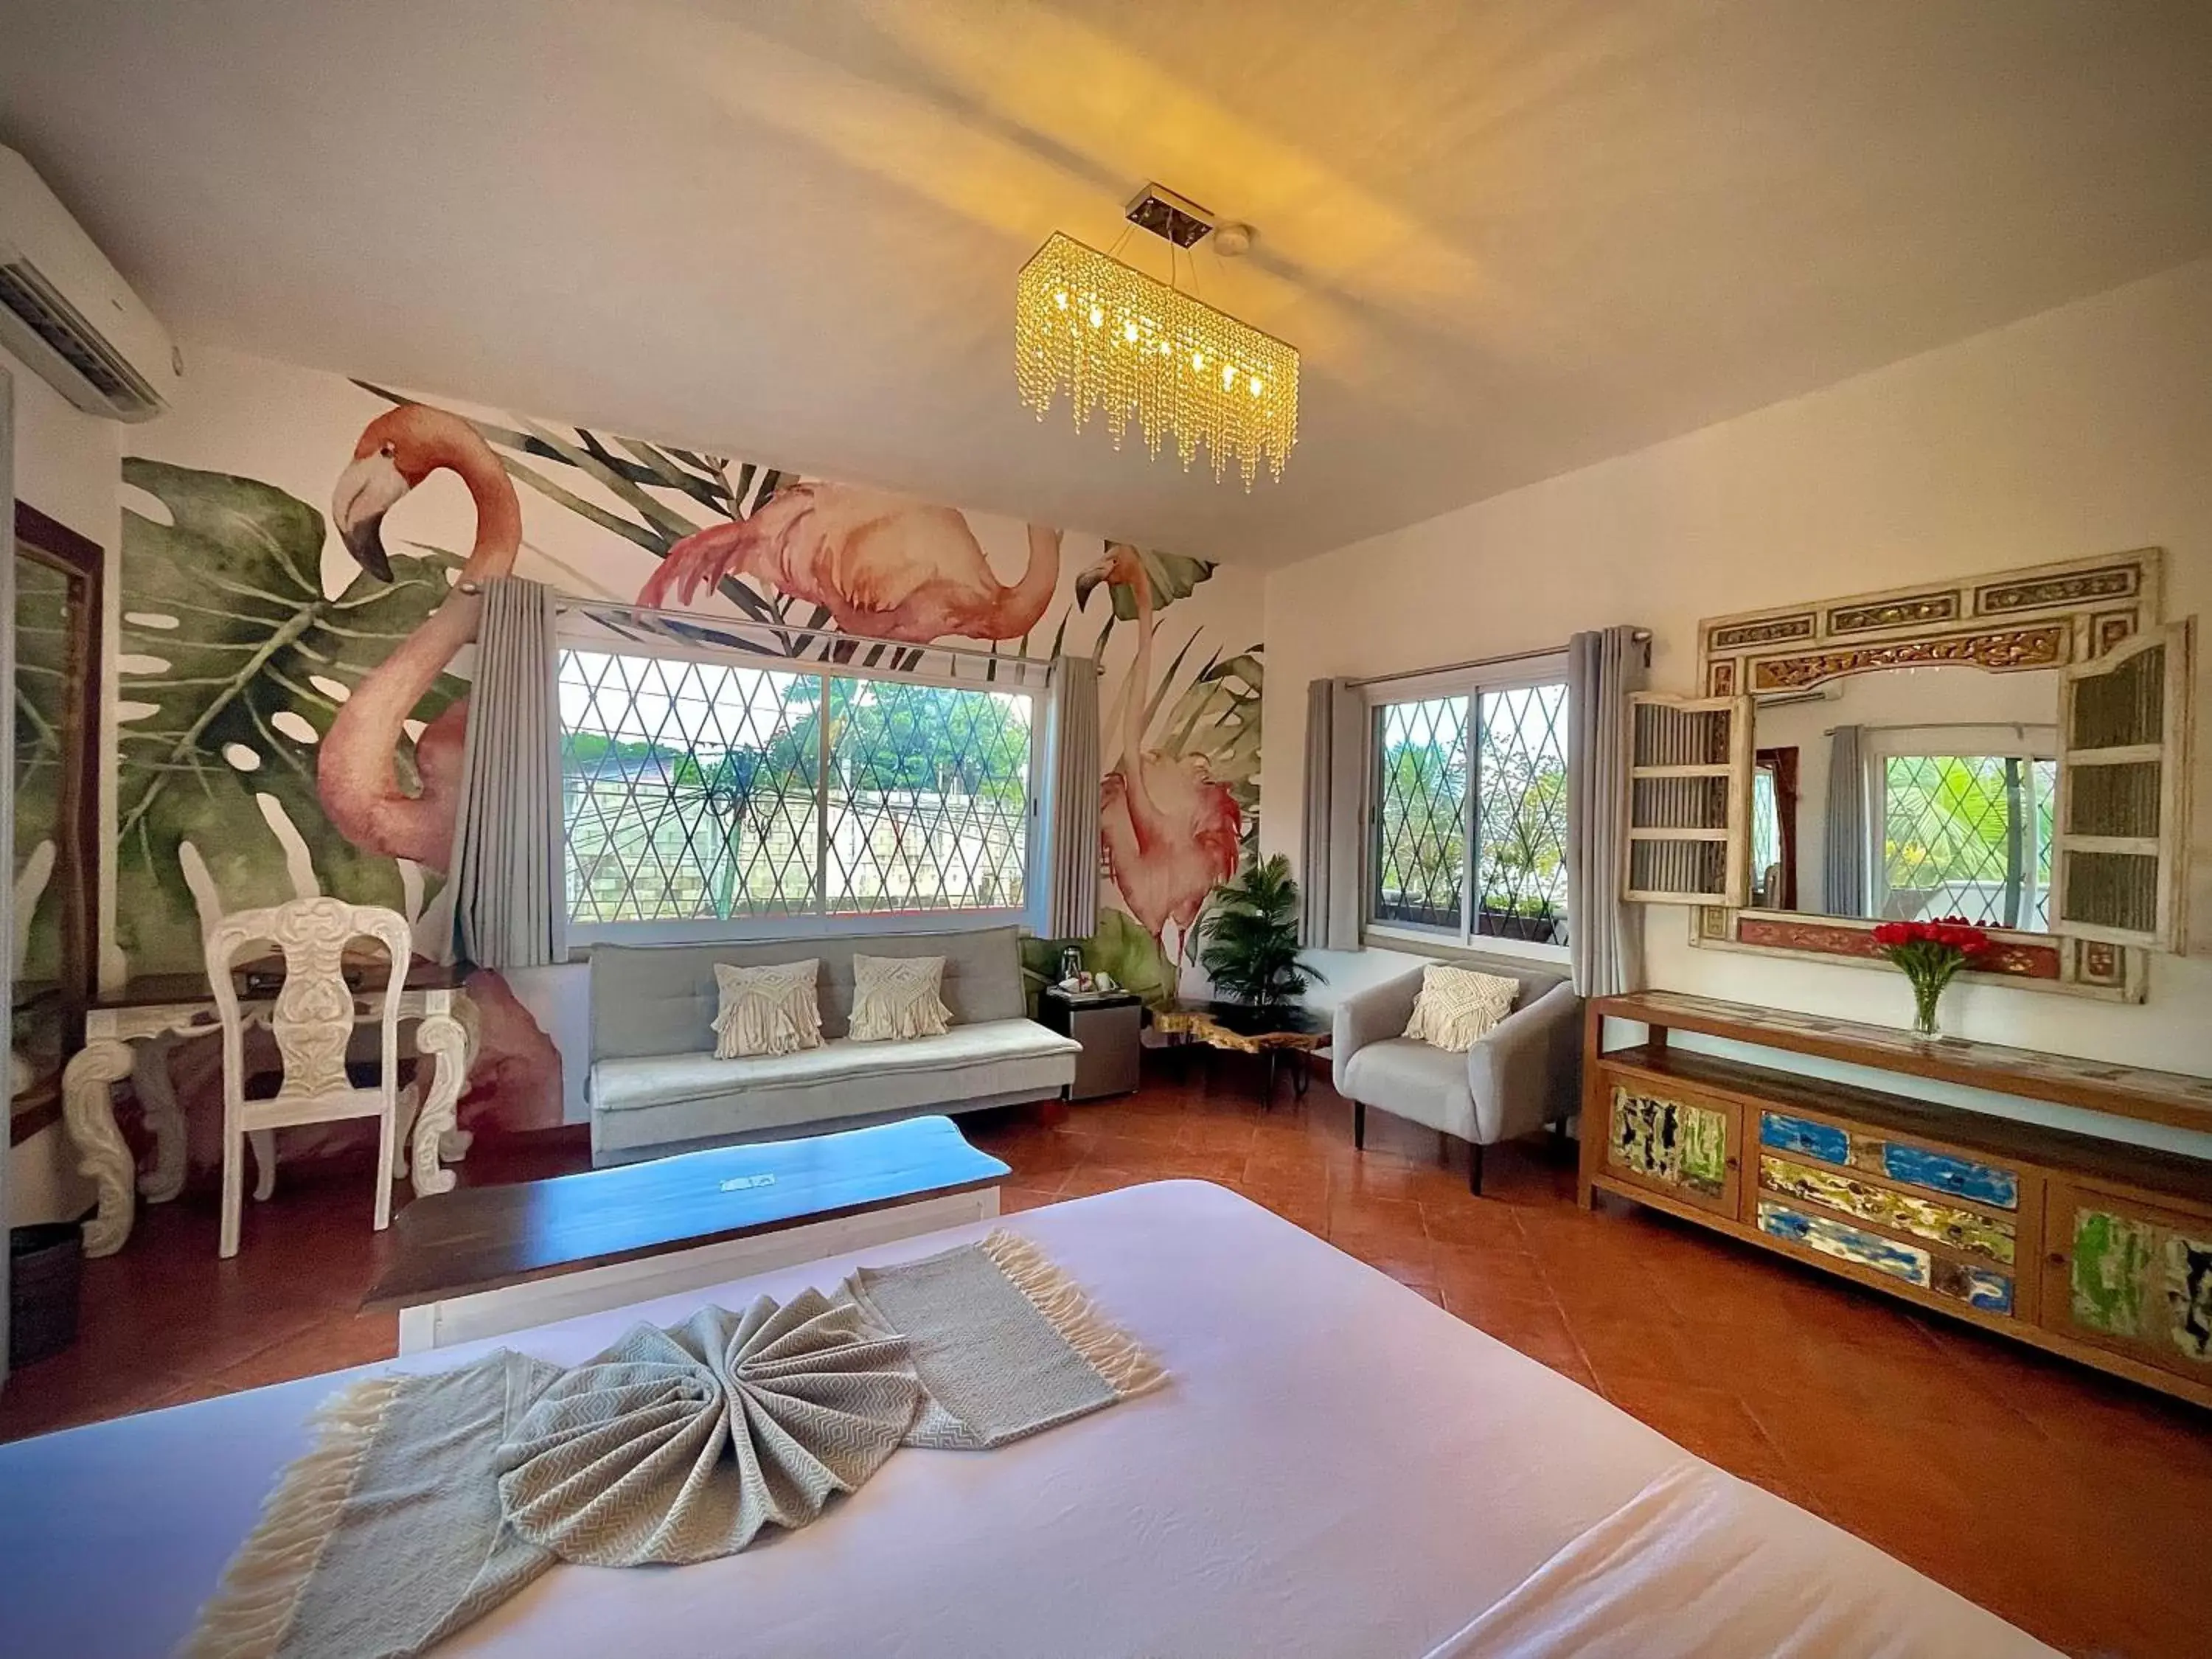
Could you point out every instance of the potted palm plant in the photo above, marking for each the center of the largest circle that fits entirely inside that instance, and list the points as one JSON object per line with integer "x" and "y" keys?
{"x": 1250, "y": 935}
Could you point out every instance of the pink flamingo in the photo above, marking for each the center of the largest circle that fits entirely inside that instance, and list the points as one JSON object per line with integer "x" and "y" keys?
{"x": 1171, "y": 833}
{"x": 357, "y": 773}
{"x": 880, "y": 565}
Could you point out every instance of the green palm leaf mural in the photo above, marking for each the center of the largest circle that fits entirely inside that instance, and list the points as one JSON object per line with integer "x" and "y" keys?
{"x": 234, "y": 663}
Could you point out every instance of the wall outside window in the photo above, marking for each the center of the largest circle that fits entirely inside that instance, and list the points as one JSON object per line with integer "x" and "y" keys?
{"x": 704, "y": 794}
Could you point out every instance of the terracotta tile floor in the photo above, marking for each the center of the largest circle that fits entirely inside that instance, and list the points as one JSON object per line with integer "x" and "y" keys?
{"x": 2075, "y": 1504}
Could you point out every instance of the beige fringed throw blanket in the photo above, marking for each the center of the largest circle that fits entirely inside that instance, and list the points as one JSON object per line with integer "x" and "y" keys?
{"x": 428, "y": 1500}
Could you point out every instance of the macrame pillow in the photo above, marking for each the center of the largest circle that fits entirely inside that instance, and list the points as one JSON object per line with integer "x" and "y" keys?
{"x": 767, "y": 1010}
{"x": 896, "y": 997}
{"x": 1457, "y": 1007}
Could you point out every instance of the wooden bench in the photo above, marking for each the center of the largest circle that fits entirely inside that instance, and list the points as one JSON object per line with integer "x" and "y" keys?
{"x": 484, "y": 1260}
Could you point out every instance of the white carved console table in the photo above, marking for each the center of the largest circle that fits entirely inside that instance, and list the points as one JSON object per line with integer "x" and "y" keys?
{"x": 157, "y": 1008}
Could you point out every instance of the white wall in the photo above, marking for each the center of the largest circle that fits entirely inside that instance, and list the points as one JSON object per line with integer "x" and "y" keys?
{"x": 65, "y": 463}
{"x": 2084, "y": 431}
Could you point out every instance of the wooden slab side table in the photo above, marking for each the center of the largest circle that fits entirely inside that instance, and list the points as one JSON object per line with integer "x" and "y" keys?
{"x": 1273, "y": 1032}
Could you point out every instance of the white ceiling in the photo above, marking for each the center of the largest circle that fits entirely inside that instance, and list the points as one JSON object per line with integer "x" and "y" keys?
{"x": 1511, "y": 238}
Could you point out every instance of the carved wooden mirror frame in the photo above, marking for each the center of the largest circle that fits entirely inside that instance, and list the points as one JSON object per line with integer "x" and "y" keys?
{"x": 2041, "y": 617}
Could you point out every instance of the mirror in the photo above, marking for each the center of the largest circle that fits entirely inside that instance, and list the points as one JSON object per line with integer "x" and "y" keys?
{"x": 1909, "y": 793}
{"x": 58, "y": 574}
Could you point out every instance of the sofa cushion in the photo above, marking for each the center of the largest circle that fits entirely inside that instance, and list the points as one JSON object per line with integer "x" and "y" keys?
{"x": 649, "y": 999}
{"x": 894, "y": 998}
{"x": 1410, "y": 1079}
{"x": 655, "y": 1080}
{"x": 768, "y": 1010}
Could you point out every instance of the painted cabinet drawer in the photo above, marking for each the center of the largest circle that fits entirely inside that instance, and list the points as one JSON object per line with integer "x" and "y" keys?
{"x": 1992, "y": 1235}
{"x": 2131, "y": 1276}
{"x": 1987, "y": 1288}
{"x": 1674, "y": 1141}
{"x": 1956, "y": 1174}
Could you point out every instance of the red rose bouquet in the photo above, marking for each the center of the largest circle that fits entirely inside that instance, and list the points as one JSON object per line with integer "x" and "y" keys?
{"x": 1931, "y": 954}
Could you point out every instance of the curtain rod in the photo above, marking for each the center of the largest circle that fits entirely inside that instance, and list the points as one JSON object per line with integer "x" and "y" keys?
{"x": 564, "y": 603}
{"x": 1642, "y": 637}
{"x": 2020, "y": 727}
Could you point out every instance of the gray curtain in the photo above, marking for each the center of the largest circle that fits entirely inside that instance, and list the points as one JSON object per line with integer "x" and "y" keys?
{"x": 510, "y": 891}
{"x": 1333, "y": 843}
{"x": 1843, "y": 829}
{"x": 1605, "y": 937}
{"x": 1071, "y": 806}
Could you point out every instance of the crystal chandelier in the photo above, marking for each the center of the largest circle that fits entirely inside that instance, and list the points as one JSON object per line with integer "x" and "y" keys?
{"x": 1122, "y": 344}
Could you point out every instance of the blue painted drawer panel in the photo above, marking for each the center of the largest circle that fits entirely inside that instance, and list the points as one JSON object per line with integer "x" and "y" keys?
{"x": 1978, "y": 1287}
{"x": 1916, "y": 1166}
{"x": 1943, "y": 1173}
{"x": 1801, "y": 1134}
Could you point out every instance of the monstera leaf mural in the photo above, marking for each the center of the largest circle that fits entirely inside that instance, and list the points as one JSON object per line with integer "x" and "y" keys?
{"x": 1217, "y": 718}
{"x": 234, "y": 663}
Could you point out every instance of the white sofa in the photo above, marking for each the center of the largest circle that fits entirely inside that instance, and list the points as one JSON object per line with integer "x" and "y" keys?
{"x": 656, "y": 1088}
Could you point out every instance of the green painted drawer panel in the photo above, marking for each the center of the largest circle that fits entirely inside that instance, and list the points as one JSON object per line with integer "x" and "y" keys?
{"x": 1674, "y": 1142}
{"x": 2135, "y": 1277}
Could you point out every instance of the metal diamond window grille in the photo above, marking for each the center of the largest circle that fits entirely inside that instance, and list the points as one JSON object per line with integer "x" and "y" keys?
{"x": 1521, "y": 795}
{"x": 1968, "y": 836}
{"x": 1421, "y": 822}
{"x": 1471, "y": 813}
{"x": 698, "y": 790}
{"x": 928, "y": 798}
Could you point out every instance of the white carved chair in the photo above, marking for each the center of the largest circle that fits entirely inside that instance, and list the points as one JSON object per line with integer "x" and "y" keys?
{"x": 312, "y": 1020}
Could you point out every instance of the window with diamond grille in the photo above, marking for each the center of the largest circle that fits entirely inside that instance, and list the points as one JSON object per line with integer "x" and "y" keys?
{"x": 705, "y": 790}
{"x": 1967, "y": 836}
{"x": 1470, "y": 813}
{"x": 1421, "y": 822}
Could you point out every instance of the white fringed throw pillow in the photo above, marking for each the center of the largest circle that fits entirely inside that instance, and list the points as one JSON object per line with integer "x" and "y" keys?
{"x": 1457, "y": 1007}
{"x": 767, "y": 1010}
{"x": 896, "y": 997}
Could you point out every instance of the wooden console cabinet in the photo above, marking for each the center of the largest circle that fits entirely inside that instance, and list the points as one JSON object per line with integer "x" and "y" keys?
{"x": 2088, "y": 1247}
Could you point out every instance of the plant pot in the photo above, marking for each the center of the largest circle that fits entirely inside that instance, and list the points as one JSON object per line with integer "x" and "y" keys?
{"x": 46, "y": 1266}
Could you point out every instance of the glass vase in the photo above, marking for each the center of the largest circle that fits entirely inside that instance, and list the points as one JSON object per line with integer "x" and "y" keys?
{"x": 1927, "y": 992}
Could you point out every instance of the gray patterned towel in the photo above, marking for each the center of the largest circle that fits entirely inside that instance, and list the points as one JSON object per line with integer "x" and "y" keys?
{"x": 428, "y": 1500}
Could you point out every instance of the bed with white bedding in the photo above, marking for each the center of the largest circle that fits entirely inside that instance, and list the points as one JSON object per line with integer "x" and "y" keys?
{"x": 1335, "y": 1468}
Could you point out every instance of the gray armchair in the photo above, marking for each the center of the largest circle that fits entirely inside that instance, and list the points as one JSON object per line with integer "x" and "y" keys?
{"x": 1526, "y": 1074}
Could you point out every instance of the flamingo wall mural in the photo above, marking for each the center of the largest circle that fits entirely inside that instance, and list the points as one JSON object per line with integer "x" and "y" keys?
{"x": 291, "y": 691}
{"x": 1171, "y": 833}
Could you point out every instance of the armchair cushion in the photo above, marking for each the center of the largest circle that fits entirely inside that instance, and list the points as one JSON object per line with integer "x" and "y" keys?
{"x": 1458, "y": 1006}
{"x": 1408, "y": 1079}
{"x": 1377, "y": 1013}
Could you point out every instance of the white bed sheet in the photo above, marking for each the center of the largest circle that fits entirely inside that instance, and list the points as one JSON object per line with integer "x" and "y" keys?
{"x": 1336, "y": 1468}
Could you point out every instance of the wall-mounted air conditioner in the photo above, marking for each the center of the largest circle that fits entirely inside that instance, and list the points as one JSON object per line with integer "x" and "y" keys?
{"x": 66, "y": 313}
